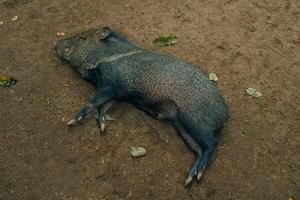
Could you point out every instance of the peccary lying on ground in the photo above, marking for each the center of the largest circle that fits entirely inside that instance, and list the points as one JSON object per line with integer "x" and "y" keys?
{"x": 162, "y": 86}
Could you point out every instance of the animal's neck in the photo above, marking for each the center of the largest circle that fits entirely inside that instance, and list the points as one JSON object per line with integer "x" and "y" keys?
{"x": 112, "y": 58}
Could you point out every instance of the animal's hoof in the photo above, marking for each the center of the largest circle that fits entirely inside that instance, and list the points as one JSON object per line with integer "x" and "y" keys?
{"x": 101, "y": 121}
{"x": 72, "y": 122}
{"x": 102, "y": 126}
{"x": 188, "y": 180}
{"x": 199, "y": 175}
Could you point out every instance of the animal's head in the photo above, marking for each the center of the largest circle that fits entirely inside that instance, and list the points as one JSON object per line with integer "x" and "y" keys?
{"x": 83, "y": 49}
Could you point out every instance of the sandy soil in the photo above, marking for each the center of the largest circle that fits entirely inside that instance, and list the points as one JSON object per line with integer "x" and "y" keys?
{"x": 248, "y": 43}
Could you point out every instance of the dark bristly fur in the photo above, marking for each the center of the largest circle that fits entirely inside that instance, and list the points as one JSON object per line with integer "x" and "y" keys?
{"x": 162, "y": 86}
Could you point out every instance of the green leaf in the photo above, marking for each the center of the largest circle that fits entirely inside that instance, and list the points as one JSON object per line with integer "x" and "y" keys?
{"x": 138, "y": 151}
{"x": 6, "y": 81}
{"x": 253, "y": 92}
{"x": 166, "y": 40}
{"x": 213, "y": 77}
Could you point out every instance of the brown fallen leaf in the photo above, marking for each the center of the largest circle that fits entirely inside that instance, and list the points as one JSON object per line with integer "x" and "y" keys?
{"x": 1, "y": 23}
{"x": 66, "y": 85}
{"x": 60, "y": 34}
{"x": 97, "y": 147}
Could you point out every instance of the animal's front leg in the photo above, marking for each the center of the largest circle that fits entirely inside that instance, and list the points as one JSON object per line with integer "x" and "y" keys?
{"x": 101, "y": 117}
{"x": 102, "y": 96}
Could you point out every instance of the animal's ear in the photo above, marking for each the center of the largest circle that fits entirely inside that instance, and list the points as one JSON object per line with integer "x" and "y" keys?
{"x": 103, "y": 33}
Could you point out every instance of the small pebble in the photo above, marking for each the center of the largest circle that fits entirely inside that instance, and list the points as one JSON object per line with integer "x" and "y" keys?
{"x": 14, "y": 18}
{"x": 60, "y": 34}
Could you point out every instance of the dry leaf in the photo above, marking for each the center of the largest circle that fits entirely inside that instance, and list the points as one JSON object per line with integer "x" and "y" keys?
{"x": 98, "y": 146}
{"x": 166, "y": 40}
{"x": 1, "y": 23}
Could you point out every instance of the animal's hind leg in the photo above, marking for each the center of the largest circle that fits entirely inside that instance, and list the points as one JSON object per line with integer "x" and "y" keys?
{"x": 194, "y": 146}
{"x": 204, "y": 138}
{"x": 210, "y": 145}
{"x": 168, "y": 111}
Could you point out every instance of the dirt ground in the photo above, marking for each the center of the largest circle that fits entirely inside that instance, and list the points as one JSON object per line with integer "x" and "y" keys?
{"x": 248, "y": 43}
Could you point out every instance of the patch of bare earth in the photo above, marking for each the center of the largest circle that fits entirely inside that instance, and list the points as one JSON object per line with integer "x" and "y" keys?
{"x": 247, "y": 43}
